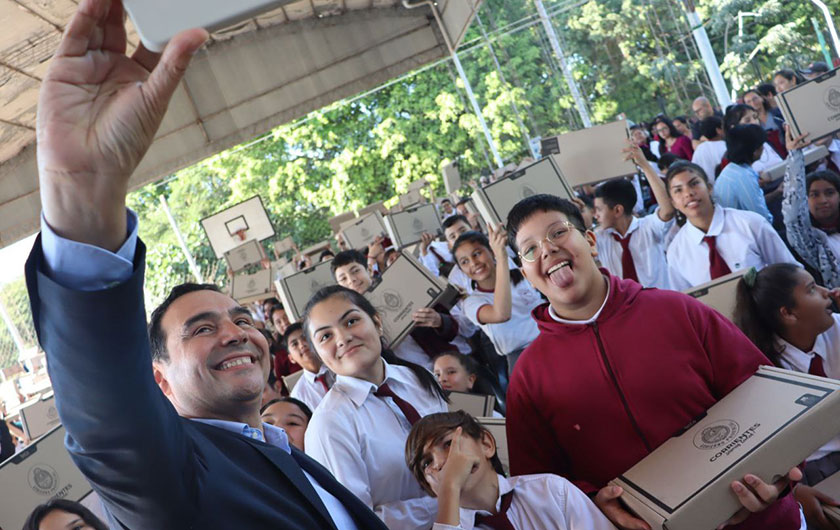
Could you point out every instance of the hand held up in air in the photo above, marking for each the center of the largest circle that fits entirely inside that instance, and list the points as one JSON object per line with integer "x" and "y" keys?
{"x": 98, "y": 113}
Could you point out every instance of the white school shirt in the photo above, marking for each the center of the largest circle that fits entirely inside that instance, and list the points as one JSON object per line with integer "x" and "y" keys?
{"x": 708, "y": 155}
{"x": 647, "y": 245}
{"x": 541, "y": 502}
{"x": 310, "y": 391}
{"x": 431, "y": 261}
{"x": 361, "y": 438}
{"x": 409, "y": 350}
{"x": 744, "y": 239}
{"x": 769, "y": 158}
{"x": 465, "y": 327}
{"x": 827, "y": 346}
{"x": 517, "y": 332}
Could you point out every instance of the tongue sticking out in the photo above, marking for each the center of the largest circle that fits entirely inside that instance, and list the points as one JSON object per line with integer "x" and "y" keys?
{"x": 562, "y": 277}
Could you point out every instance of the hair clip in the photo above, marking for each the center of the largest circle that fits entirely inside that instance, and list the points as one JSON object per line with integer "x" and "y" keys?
{"x": 750, "y": 276}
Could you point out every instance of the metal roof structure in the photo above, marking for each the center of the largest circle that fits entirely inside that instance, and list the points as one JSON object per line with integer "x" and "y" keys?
{"x": 248, "y": 79}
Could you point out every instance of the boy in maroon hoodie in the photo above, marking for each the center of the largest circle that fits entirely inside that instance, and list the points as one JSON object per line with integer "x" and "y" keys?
{"x": 617, "y": 370}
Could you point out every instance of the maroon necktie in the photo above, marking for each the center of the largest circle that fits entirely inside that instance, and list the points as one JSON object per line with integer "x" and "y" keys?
{"x": 717, "y": 267}
{"x": 628, "y": 267}
{"x": 816, "y": 367}
{"x": 408, "y": 411}
{"x": 323, "y": 380}
{"x": 500, "y": 520}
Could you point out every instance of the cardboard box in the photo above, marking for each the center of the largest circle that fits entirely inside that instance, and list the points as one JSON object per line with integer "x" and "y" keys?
{"x": 719, "y": 294}
{"x": 476, "y": 405}
{"x": 811, "y": 154}
{"x": 594, "y": 155}
{"x": 407, "y": 227}
{"x": 831, "y": 487}
{"x": 315, "y": 250}
{"x": 410, "y": 199}
{"x": 339, "y": 220}
{"x": 283, "y": 246}
{"x": 496, "y": 426}
{"x": 296, "y": 289}
{"x": 39, "y": 417}
{"x": 291, "y": 380}
{"x": 361, "y": 232}
{"x": 38, "y": 473}
{"x": 403, "y": 288}
{"x": 244, "y": 255}
{"x": 497, "y": 199}
{"x": 247, "y": 288}
{"x": 451, "y": 178}
{"x": 813, "y": 106}
{"x": 765, "y": 426}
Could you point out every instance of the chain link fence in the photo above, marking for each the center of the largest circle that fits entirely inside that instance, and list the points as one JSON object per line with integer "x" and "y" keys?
{"x": 16, "y": 328}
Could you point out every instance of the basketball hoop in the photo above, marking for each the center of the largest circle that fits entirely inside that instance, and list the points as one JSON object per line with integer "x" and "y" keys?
{"x": 241, "y": 234}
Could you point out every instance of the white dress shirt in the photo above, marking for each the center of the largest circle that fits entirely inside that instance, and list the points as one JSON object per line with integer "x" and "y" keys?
{"x": 647, "y": 246}
{"x": 827, "y": 346}
{"x": 310, "y": 391}
{"x": 431, "y": 261}
{"x": 541, "y": 502}
{"x": 361, "y": 438}
{"x": 517, "y": 332}
{"x": 409, "y": 350}
{"x": 743, "y": 239}
{"x": 769, "y": 158}
{"x": 708, "y": 155}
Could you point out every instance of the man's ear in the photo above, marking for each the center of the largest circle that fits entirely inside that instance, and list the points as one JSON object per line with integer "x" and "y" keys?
{"x": 592, "y": 239}
{"x": 160, "y": 378}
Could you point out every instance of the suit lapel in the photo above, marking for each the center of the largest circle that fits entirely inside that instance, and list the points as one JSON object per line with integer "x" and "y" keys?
{"x": 290, "y": 467}
{"x": 361, "y": 513}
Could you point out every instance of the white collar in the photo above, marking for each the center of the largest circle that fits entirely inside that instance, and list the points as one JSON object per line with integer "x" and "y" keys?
{"x": 594, "y": 317}
{"x": 358, "y": 390}
{"x": 801, "y": 360}
{"x": 634, "y": 225}
{"x": 695, "y": 235}
{"x": 310, "y": 376}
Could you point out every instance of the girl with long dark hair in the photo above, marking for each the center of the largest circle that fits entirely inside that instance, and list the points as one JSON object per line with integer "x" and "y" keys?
{"x": 359, "y": 429}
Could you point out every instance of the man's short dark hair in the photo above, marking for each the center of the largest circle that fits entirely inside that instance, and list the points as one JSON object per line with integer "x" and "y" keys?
{"x": 294, "y": 326}
{"x": 326, "y": 253}
{"x": 766, "y": 89}
{"x": 541, "y": 203}
{"x": 742, "y": 141}
{"x": 709, "y": 126}
{"x": 346, "y": 257}
{"x": 618, "y": 191}
{"x": 451, "y": 221}
{"x": 157, "y": 337}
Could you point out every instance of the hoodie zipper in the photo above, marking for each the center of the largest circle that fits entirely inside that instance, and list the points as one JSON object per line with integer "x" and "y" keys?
{"x": 618, "y": 388}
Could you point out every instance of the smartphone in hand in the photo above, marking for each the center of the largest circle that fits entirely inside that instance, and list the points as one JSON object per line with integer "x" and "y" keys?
{"x": 157, "y": 21}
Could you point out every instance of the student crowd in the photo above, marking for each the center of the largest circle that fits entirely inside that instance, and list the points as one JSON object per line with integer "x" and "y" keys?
{"x": 570, "y": 315}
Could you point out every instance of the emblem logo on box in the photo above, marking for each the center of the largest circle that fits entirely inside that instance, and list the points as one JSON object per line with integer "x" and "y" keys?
{"x": 527, "y": 191}
{"x": 43, "y": 479}
{"x": 832, "y": 99}
{"x": 392, "y": 300}
{"x": 716, "y": 434}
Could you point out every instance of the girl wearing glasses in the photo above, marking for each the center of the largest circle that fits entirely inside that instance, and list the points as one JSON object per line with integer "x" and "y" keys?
{"x": 811, "y": 211}
{"x": 501, "y": 300}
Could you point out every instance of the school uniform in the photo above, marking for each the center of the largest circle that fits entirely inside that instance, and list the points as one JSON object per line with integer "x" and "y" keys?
{"x": 739, "y": 238}
{"x": 823, "y": 360}
{"x": 509, "y": 338}
{"x": 708, "y": 155}
{"x": 590, "y": 399}
{"x": 312, "y": 387}
{"x": 437, "y": 253}
{"x": 645, "y": 240}
{"x": 538, "y": 502}
{"x": 360, "y": 438}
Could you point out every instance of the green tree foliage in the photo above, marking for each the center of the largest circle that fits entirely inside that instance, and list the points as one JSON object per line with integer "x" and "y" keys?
{"x": 635, "y": 57}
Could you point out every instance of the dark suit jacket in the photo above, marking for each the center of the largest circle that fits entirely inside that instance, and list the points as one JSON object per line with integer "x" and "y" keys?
{"x": 153, "y": 469}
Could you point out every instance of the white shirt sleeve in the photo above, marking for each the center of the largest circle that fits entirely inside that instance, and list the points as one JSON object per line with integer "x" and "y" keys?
{"x": 770, "y": 245}
{"x": 472, "y": 304}
{"x": 579, "y": 511}
{"x": 430, "y": 262}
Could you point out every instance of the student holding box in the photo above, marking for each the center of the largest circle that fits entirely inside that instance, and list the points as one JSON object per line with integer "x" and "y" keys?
{"x": 435, "y": 328}
{"x": 789, "y": 317}
{"x": 596, "y": 391}
{"x": 501, "y": 300}
{"x": 454, "y": 459}
{"x": 715, "y": 241}
{"x": 359, "y": 429}
{"x": 631, "y": 247}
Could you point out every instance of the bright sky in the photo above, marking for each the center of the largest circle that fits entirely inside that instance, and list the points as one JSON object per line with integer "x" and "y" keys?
{"x": 12, "y": 259}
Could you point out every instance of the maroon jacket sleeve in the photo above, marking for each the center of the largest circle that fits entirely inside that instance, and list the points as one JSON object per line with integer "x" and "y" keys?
{"x": 733, "y": 357}
{"x": 683, "y": 148}
{"x": 532, "y": 446}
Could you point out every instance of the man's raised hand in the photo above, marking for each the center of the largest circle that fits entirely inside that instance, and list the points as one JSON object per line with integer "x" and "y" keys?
{"x": 98, "y": 113}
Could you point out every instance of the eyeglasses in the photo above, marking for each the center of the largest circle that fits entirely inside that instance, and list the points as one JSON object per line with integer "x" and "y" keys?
{"x": 556, "y": 235}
